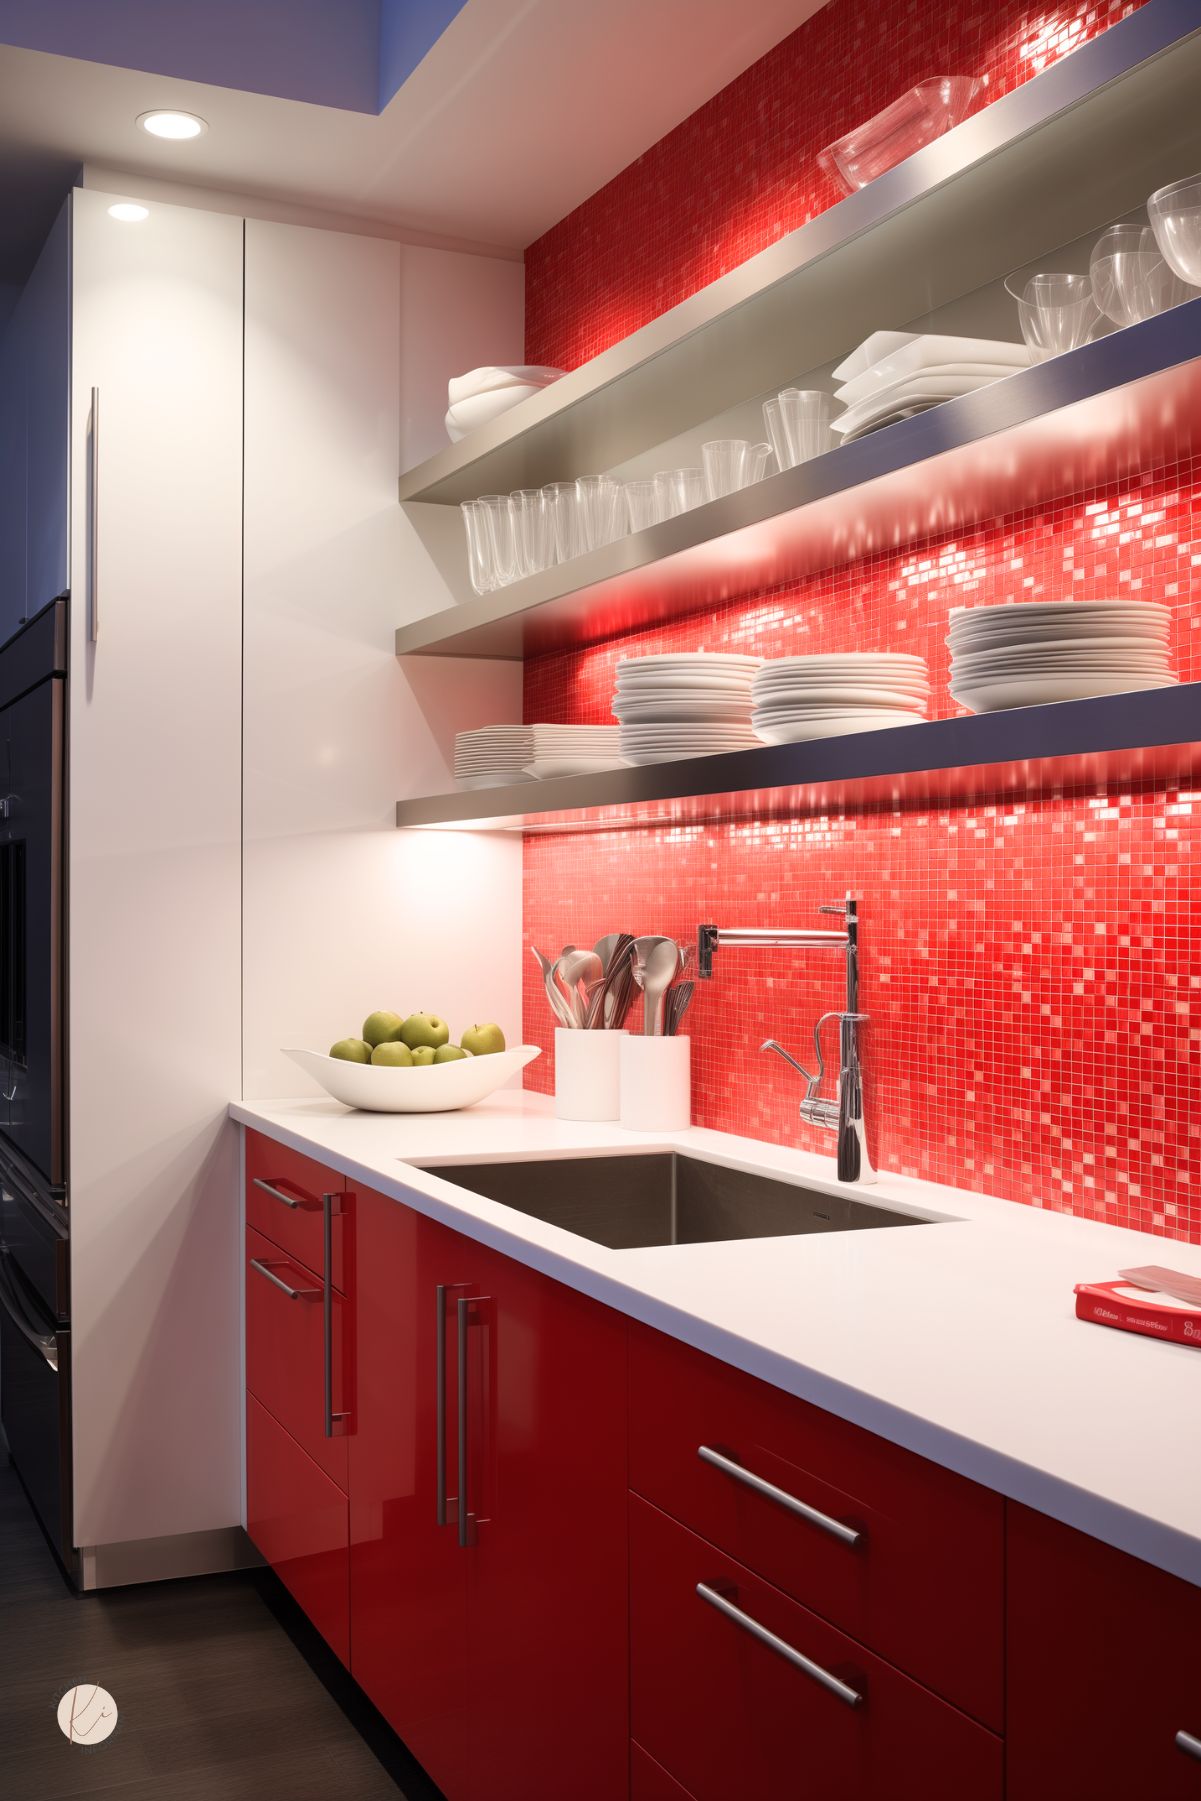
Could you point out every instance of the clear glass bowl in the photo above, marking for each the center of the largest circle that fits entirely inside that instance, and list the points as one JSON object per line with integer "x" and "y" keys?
{"x": 1130, "y": 279}
{"x": 916, "y": 119}
{"x": 1175, "y": 215}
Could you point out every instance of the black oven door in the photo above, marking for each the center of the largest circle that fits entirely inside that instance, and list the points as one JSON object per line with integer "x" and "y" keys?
{"x": 32, "y": 1057}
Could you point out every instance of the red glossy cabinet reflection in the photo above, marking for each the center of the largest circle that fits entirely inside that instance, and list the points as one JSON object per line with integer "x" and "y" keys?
{"x": 496, "y": 1644}
{"x": 1104, "y": 1670}
{"x": 297, "y": 1518}
{"x": 284, "y": 1201}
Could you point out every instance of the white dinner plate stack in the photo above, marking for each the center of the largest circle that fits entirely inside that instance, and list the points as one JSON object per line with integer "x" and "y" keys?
{"x": 484, "y": 394}
{"x": 1024, "y": 653}
{"x": 493, "y": 756}
{"x": 887, "y": 379}
{"x": 694, "y": 704}
{"x": 574, "y": 750}
{"x": 829, "y": 696}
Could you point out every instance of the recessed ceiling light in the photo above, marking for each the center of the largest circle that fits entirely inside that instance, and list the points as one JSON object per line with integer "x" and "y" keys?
{"x": 172, "y": 125}
{"x": 128, "y": 211}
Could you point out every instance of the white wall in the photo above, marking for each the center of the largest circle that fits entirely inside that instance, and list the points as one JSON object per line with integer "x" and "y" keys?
{"x": 349, "y": 342}
{"x": 154, "y": 936}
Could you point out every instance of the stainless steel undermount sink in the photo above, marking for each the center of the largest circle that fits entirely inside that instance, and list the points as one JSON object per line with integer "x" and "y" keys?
{"x": 628, "y": 1203}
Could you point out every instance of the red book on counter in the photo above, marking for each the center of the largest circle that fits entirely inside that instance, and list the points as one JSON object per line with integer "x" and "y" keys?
{"x": 1130, "y": 1309}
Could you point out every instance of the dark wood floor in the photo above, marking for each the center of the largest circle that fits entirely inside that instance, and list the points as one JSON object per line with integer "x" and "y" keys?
{"x": 223, "y": 1690}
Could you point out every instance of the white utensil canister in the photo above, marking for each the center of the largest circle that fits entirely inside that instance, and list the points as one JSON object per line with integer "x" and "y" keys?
{"x": 656, "y": 1083}
{"x": 587, "y": 1074}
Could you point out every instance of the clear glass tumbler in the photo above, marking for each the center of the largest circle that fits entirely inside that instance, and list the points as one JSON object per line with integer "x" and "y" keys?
{"x": 502, "y": 536}
{"x": 563, "y": 512}
{"x": 805, "y": 414}
{"x": 532, "y": 526}
{"x": 480, "y": 562}
{"x": 602, "y": 510}
{"x": 646, "y": 503}
{"x": 683, "y": 489}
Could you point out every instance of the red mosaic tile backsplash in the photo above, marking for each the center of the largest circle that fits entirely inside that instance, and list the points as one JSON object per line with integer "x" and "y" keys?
{"x": 742, "y": 170}
{"x": 1033, "y": 970}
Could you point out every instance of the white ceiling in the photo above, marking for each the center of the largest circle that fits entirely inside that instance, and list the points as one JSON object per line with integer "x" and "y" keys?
{"x": 520, "y": 111}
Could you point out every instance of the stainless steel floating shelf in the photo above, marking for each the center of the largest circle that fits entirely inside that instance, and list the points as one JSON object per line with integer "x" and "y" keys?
{"x": 1084, "y": 141}
{"x": 1076, "y": 422}
{"x": 1146, "y": 736}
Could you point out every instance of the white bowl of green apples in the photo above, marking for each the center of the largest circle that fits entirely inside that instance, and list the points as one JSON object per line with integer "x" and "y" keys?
{"x": 411, "y": 1066}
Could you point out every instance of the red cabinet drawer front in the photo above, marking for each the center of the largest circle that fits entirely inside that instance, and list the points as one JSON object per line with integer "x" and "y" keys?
{"x": 1104, "y": 1669}
{"x": 924, "y": 1583}
{"x": 730, "y": 1716}
{"x": 285, "y": 1351}
{"x": 298, "y": 1519}
{"x": 294, "y": 1222}
{"x": 649, "y": 1781}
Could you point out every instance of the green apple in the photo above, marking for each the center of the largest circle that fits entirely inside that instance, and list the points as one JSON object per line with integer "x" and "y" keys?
{"x": 423, "y": 1029}
{"x": 381, "y": 1028}
{"x": 449, "y": 1053}
{"x": 423, "y": 1055}
{"x": 351, "y": 1050}
{"x": 392, "y": 1055}
{"x": 483, "y": 1041}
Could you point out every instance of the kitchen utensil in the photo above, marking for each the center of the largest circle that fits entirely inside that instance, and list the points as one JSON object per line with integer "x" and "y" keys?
{"x": 679, "y": 999}
{"x": 1056, "y": 312}
{"x": 498, "y": 511}
{"x": 532, "y": 527}
{"x": 919, "y": 116}
{"x": 582, "y": 971}
{"x": 685, "y": 489}
{"x": 602, "y": 512}
{"x": 612, "y": 996}
{"x": 606, "y": 947}
{"x": 441, "y": 1088}
{"x": 481, "y": 563}
{"x": 656, "y": 964}
{"x": 587, "y": 1074}
{"x": 656, "y": 1083}
{"x": 1130, "y": 279}
{"x": 805, "y": 414}
{"x": 558, "y": 1004}
{"x": 563, "y": 511}
{"x": 1175, "y": 215}
{"x": 566, "y": 989}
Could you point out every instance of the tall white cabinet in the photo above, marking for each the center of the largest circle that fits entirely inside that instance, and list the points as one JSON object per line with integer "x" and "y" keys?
{"x": 155, "y": 880}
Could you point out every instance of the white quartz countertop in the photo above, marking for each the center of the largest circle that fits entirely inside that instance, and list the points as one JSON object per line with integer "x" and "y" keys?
{"x": 958, "y": 1341}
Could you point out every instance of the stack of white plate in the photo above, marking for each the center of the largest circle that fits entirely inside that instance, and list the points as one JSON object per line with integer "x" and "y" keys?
{"x": 493, "y": 756}
{"x": 915, "y": 374}
{"x": 695, "y": 704}
{"x": 830, "y": 696}
{"x": 1020, "y": 655}
{"x": 484, "y": 394}
{"x": 575, "y": 750}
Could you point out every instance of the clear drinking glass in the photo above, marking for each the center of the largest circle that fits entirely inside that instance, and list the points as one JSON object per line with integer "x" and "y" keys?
{"x": 602, "y": 512}
{"x": 1056, "y": 312}
{"x": 684, "y": 489}
{"x": 646, "y": 503}
{"x": 757, "y": 459}
{"x": 732, "y": 463}
{"x": 774, "y": 422}
{"x": 502, "y": 536}
{"x": 1175, "y": 215}
{"x": 480, "y": 562}
{"x": 532, "y": 525}
{"x": 563, "y": 512}
{"x": 1130, "y": 279}
{"x": 805, "y": 414}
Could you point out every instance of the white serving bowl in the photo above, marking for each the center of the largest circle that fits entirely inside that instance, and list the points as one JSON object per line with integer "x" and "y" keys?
{"x": 481, "y": 409}
{"x": 440, "y": 1088}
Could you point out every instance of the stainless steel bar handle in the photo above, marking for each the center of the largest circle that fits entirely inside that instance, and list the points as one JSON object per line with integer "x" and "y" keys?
{"x": 332, "y": 1419}
{"x": 1191, "y": 1746}
{"x": 293, "y": 1294}
{"x": 94, "y": 502}
{"x": 781, "y": 1647}
{"x": 45, "y": 1344}
{"x": 464, "y": 1323}
{"x": 847, "y": 1535}
{"x": 288, "y": 1200}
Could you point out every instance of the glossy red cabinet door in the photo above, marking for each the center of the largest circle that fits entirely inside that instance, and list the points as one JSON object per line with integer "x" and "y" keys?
{"x": 284, "y": 1193}
{"x": 905, "y": 1557}
{"x": 547, "y": 1568}
{"x": 408, "y": 1577}
{"x": 649, "y": 1781}
{"x": 1104, "y": 1670}
{"x": 285, "y": 1352}
{"x": 730, "y": 1716}
{"x": 298, "y": 1519}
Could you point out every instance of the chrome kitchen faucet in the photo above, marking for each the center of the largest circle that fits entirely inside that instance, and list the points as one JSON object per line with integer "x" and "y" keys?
{"x": 846, "y": 1113}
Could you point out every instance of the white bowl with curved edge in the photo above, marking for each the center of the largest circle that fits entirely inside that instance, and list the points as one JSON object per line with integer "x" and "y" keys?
{"x": 438, "y": 1088}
